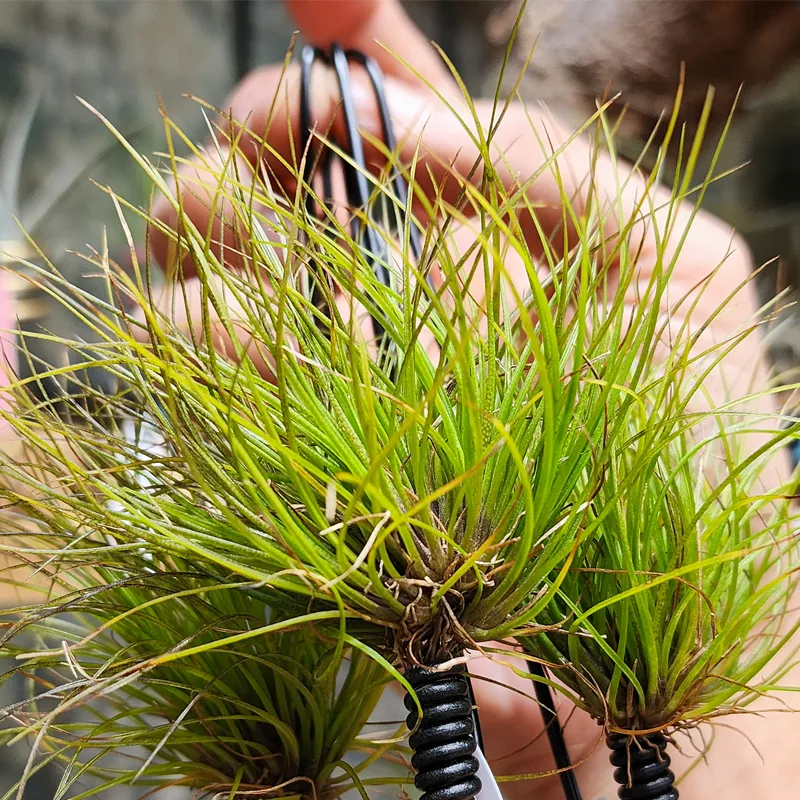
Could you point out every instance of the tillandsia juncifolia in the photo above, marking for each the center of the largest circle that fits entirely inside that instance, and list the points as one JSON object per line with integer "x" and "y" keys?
{"x": 680, "y": 599}
{"x": 148, "y": 673}
{"x": 445, "y": 737}
{"x": 452, "y": 496}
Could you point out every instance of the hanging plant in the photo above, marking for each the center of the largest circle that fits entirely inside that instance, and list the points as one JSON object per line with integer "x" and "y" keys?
{"x": 678, "y": 608}
{"x": 680, "y": 599}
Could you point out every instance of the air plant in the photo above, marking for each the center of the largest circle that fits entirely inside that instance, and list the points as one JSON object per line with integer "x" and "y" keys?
{"x": 679, "y": 606}
{"x": 680, "y": 599}
{"x": 522, "y": 466}
{"x": 186, "y": 683}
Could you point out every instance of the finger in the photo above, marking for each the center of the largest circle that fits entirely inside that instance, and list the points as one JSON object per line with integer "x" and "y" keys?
{"x": 515, "y": 738}
{"x": 240, "y": 333}
{"x": 442, "y": 138}
{"x": 183, "y": 304}
{"x": 234, "y": 337}
{"x": 199, "y": 208}
{"x": 230, "y": 245}
{"x": 267, "y": 105}
{"x": 442, "y": 135}
{"x": 264, "y": 127}
{"x": 379, "y": 28}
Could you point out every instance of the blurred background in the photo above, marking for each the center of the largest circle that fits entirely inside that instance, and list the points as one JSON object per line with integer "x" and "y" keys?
{"x": 123, "y": 55}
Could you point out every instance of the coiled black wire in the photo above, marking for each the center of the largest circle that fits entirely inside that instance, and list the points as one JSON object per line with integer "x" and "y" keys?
{"x": 445, "y": 742}
{"x": 642, "y": 767}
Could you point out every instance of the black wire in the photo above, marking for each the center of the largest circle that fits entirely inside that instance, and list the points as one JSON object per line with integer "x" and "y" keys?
{"x": 355, "y": 177}
{"x": 443, "y": 742}
{"x": 313, "y": 161}
{"x": 372, "y": 246}
{"x": 555, "y": 733}
{"x": 401, "y": 188}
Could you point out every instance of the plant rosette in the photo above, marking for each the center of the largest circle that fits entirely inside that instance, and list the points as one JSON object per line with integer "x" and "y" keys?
{"x": 189, "y": 672}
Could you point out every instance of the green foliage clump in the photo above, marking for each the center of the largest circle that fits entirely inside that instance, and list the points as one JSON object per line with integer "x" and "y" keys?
{"x": 186, "y": 683}
{"x": 527, "y": 464}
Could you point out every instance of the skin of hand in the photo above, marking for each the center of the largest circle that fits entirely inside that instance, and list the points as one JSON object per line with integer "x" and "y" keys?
{"x": 511, "y": 723}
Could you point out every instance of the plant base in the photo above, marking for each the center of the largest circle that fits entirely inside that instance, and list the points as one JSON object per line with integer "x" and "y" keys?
{"x": 445, "y": 741}
{"x": 642, "y": 767}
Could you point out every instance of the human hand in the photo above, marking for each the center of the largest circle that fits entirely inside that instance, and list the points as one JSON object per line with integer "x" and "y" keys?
{"x": 268, "y": 96}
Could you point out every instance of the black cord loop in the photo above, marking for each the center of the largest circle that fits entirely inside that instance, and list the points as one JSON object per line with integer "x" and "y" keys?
{"x": 555, "y": 733}
{"x": 373, "y": 247}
